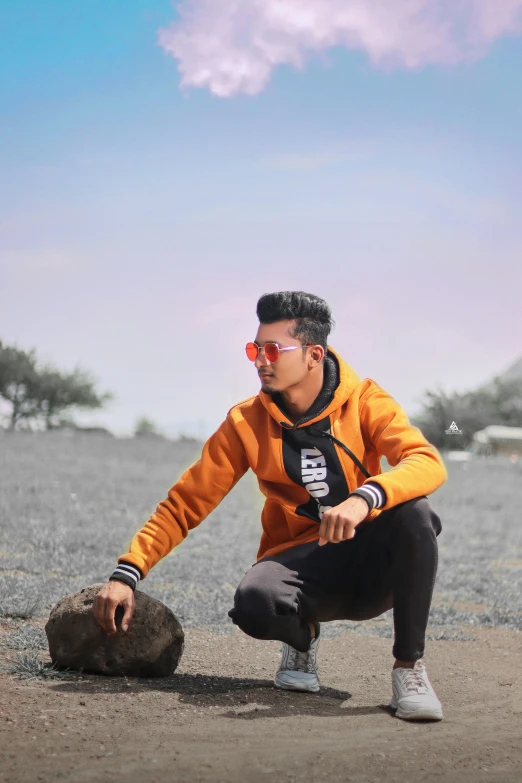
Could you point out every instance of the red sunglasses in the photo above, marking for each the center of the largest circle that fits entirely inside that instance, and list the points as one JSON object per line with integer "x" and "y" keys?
{"x": 270, "y": 350}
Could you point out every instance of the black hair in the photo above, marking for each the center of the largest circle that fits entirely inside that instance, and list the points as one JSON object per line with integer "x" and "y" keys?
{"x": 313, "y": 315}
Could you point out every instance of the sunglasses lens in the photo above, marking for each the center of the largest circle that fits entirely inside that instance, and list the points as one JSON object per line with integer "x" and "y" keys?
{"x": 251, "y": 351}
{"x": 272, "y": 352}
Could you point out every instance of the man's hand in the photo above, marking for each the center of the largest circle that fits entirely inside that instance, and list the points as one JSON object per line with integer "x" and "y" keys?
{"x": 112, "y": 595}
{"x": 339, "y": 522}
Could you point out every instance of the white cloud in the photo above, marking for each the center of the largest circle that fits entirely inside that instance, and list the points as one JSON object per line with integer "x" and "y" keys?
{"x": 233, "y": 46}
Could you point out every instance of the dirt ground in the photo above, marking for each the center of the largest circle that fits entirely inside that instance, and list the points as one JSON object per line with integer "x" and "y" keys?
{"x": 219, "y": 718}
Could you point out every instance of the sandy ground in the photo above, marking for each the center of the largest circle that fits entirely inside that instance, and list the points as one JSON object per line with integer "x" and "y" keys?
{"x": 219, "y": 718}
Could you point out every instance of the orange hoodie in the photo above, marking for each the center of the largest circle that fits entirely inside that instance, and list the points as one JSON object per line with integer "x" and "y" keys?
{"x": 302, "y": 469}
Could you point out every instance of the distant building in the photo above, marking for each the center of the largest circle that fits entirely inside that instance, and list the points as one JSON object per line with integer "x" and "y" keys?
{"x": 498, "y": 439}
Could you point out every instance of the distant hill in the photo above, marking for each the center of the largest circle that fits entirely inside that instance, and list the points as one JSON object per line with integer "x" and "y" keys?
{"x": 512, "y": 374}
{"x": 515, "y": 371}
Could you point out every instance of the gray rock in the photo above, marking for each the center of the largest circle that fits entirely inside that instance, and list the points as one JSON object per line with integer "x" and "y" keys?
{"x": 152, "y": 646}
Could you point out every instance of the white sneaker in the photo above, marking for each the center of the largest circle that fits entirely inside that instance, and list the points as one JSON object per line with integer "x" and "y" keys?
{"x": 413, "y": 695}
{"x": 298, "y": 670}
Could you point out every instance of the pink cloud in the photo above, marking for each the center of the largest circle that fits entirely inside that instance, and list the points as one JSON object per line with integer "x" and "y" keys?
{"x": 233, "y": 46}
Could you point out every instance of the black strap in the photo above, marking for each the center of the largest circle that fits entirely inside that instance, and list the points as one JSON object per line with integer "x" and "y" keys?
{"x": 346, "y": 449}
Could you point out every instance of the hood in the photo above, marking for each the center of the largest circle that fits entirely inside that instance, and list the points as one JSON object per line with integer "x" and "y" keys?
{"x": 335, "y": 368}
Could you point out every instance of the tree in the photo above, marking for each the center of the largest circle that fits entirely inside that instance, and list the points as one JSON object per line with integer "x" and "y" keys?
{"x": 499, "y": 402}
{"x": 56, "y": 392}
{"x": 146, "y": 428}
{"x": 45, "y": 392}
{"x": 18, "y": 374}
{"x": 507, "y": 399}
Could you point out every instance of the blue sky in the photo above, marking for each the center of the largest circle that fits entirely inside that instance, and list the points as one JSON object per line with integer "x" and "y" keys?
{"x": 140, "y": 221}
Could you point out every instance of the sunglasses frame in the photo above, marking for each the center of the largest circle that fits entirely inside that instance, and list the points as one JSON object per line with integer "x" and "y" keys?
{"x": 261, "y": 348}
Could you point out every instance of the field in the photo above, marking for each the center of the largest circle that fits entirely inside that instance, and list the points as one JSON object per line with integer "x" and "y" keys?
{"x": 69, "y": 506}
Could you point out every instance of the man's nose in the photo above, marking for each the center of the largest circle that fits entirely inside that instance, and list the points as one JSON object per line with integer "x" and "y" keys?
{"x": 261, "y": 359}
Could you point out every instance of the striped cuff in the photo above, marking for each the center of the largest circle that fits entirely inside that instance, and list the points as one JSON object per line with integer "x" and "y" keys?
{"x": 127, "y": 573}
{"x": 372, "y": 493}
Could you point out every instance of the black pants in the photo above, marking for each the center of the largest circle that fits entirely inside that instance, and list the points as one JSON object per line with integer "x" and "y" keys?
{"x": 390, "y": 562}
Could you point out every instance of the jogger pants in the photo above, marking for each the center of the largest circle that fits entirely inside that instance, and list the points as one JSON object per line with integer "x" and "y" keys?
{"x": 390, "y": 563}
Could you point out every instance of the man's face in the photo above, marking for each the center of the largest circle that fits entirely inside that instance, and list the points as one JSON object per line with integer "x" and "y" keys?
{"x": 291, "y": 366}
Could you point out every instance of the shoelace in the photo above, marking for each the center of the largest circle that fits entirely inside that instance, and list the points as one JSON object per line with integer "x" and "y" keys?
{"x": 414, "y": 680}
{"x": 300, "y": 661}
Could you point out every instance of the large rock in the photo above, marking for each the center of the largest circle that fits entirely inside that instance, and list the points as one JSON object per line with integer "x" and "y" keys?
{"x": 152, "y": 647}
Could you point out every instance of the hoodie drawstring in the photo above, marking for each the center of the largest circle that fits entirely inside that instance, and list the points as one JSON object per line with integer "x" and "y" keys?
{"x": 324, "y": 434}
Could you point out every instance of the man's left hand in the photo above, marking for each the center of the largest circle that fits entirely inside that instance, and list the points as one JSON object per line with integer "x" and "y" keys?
{"x": 339, "y": 522}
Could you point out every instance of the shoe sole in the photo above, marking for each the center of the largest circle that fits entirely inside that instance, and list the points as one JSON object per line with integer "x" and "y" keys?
{"x": 306, "y": 689}
{"x": 416, "y": 714}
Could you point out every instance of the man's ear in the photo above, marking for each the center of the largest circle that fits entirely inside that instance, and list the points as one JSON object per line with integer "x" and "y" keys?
{"x": 317, "y": 354}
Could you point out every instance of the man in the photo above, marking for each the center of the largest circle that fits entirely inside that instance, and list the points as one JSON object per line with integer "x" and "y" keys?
{"x": 341, "y": 539}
